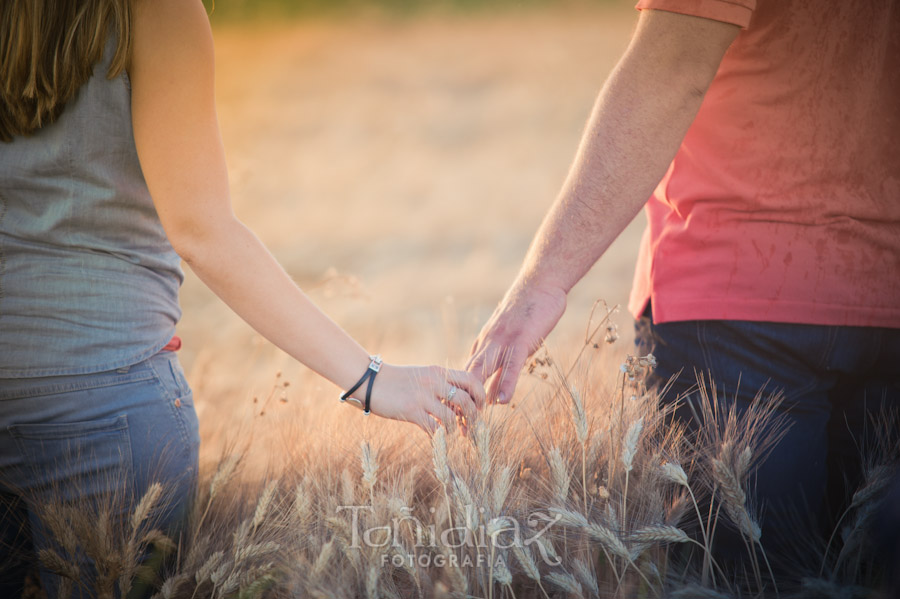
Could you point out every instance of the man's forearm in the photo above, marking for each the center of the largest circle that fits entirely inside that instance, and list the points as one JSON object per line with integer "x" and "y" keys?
{"x": 643, "y": 112}
{"x": 636, "y": 127}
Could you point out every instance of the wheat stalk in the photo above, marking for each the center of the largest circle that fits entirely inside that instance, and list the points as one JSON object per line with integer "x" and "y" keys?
{"x": 525, "y": 558}
{"x": 735, "y": 500}
{"x": 483, "y": 445}
{"x": 676, "y": 474}
{"x": 585, "y": 576}
{"x": 502, "y": 486}
{"x": 369, "y": 459}
{"x": 695, "y": 591}
{"x": 302, "y": 506}
{"x": 323, "y": 558}
{"x": 596, "y": 531}
{"x": 579, "y": 420}
{"x": 500, "y": 572}
{"x": 629, "y": 449}
{"x": 223, "y": 475}
{"x": 56, "y": 564}
{"x": 211, "y": 564}
{"x": 170, "y": 586}
{"x": 440, "y": 456}
{"x": 579, "y": 416}
{"x": 630, "y": 443}
{"x": 372, "y": 577}
{"x": 253, "y": 550}
{"x": 559, "y": 472}
{"x": 262, "y": 507}
{"x": 464, "y": 499}
{"x": 348, "y": 488}
{"x": 145, "y": 505}
{"x": 659, "y": 533}
{"x": 566, "y": 582}
{"x": 742, "y": 467}
{"x": 441, "y": 460}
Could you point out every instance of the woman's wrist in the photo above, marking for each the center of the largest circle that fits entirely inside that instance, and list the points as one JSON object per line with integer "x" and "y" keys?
{"x": 364, "y": 384}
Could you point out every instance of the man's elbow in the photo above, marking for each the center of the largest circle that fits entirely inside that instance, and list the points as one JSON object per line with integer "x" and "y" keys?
{"x": 681, "y": 50}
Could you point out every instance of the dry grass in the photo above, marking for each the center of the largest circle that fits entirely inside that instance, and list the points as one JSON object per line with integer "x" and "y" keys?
{"x": 578, "y": 490}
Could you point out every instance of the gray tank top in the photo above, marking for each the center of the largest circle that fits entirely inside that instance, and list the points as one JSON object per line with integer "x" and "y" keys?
{"x": 88, "y": 279}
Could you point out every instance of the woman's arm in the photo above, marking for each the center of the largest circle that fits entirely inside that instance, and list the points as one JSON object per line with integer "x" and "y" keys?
{"x": 180, "y": 149}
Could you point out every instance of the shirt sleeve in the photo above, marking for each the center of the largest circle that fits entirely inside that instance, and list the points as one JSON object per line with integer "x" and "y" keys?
{"x": 736, "y": 12}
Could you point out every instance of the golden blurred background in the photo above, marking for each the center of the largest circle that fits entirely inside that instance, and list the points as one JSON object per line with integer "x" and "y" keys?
{"x": 397, "y": 158}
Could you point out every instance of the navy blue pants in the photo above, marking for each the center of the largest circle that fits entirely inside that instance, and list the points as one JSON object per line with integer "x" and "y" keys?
{"x": 834, "y": 380}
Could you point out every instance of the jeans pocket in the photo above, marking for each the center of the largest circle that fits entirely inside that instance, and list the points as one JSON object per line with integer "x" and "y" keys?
{"x": 178, "y": 396}
{"x": 70, "y": 460}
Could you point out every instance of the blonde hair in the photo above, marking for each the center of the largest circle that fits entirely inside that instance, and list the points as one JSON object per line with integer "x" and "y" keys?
{"x": 48, "y": 49}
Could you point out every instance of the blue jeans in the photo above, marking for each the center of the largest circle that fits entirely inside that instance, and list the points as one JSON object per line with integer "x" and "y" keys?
{"x": 834, "y": 379}
{"x": 86, "y": 440}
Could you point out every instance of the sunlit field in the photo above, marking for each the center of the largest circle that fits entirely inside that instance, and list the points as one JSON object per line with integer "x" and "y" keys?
{"x": 398, "y": 165}
{"x": 398, "y": 169}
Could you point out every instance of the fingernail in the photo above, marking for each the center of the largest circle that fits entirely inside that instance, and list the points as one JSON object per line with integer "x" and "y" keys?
{"x": 501, "y": 398}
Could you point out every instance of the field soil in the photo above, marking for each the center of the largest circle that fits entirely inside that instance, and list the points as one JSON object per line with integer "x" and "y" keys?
{"x": 398, "y": 169}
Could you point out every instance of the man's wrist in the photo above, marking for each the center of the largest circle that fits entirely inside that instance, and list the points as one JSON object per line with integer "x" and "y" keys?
{"x": 540, "y": 283}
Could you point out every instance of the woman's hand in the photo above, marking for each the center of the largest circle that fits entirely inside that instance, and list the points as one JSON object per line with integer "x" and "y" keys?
{"x": 422, "y": 395}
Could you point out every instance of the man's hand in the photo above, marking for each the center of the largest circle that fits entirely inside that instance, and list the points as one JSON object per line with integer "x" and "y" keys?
{"x": 516, "y": 329}
{"x": 638, "y": 122}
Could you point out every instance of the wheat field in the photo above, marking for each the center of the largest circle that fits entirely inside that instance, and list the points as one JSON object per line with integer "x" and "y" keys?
{"x": 398, "y": 168}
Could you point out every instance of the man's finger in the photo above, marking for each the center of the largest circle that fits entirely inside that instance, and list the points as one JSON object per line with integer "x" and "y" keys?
{"x": 493, "y": 388}
{"x": 475, "y": 363}
{"x": 508, "y": 384}
{"x": 503, "y": 385}
{"x": 474, "y": 347}
{"x": 493, "y": 357}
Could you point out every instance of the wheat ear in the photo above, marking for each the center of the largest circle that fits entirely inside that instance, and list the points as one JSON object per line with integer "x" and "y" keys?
{"x": 629, "y": 450}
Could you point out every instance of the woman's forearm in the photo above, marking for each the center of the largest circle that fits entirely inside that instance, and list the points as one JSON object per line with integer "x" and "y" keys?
{"x": 235, "y": 265}
{"x": 177, "y": 138}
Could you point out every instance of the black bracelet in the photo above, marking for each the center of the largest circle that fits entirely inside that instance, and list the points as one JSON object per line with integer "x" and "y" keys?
{"x": 371, "y": 372}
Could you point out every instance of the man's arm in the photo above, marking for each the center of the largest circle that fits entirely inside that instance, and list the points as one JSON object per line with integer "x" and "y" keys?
{"x": 638, "y": 122}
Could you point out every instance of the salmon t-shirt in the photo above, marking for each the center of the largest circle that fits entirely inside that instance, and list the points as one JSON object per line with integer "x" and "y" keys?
{"x": 783, "y": 202}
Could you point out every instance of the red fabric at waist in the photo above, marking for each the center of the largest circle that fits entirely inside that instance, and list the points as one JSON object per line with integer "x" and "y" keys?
{"x": 174, "y": 344}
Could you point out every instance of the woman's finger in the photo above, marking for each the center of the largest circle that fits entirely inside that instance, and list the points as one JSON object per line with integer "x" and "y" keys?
{"x": 468, "y": 382}
{"x": 443, "y": 413}
{"x": 462, "y": 400}
{"x": 426, "y": 422}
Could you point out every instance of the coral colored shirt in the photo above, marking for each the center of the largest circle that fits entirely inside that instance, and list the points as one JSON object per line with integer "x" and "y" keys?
{"x": 783, "y": 202}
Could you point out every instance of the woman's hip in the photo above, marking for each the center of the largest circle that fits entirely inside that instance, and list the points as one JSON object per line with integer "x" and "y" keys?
{"x": 82, "y": 432}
